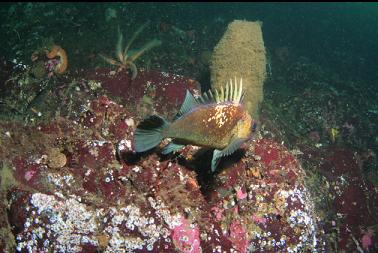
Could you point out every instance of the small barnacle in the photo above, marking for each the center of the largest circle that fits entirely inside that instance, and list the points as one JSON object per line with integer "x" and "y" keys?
{"x": 218, "y": 248}
{"x": 203, "y": 236}
{"x": 165, "y": 232}
{"x": 283, "y": 239}
{"x": 184, "y": 238}
{"x": 27, "y": 224}
{"x": 46, "y": 243}
{"x": 256, "y": 157}
{"x": 136, "y": 169}
{"x": 130, "y": 122}
{"x": 274, "y": 242}
{"x": 150, "y": 247}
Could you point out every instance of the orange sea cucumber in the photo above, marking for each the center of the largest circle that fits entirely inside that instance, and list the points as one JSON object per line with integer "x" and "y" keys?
{"x": 63, "y": 61}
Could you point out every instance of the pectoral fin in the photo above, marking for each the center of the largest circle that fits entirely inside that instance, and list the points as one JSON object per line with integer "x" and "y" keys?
{"x": 171, "y": 147}
{"x": 234, "y": 145}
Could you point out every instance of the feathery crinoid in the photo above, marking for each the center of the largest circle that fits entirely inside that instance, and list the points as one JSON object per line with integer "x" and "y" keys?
{"x": 125, "y": 57}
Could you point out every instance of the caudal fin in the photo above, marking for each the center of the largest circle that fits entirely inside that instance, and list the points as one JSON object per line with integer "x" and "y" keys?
{"x": 149, "y": 133}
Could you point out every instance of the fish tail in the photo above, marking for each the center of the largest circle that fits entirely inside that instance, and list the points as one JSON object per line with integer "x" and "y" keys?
{"x": 149, "y": 133}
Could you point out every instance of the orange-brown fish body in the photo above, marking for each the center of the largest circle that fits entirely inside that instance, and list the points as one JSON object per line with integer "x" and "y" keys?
{"x": 211, "y": 125}
{"x": 216, "y": 121}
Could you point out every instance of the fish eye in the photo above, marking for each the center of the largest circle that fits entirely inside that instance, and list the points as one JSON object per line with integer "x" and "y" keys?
{"x": 253, "y": 126}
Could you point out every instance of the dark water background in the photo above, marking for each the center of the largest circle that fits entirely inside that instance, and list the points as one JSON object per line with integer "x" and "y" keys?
{"x": 339, "y": 36}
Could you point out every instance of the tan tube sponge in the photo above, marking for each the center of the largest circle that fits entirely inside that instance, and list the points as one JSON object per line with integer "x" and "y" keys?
{"x": 241, "y": 53}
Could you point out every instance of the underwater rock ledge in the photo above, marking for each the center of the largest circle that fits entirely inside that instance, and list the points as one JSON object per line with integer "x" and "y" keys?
{"x": 77, "y": 186}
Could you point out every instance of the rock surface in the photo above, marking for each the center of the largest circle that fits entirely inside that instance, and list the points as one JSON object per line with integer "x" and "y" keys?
{"x": 78, "y": 185}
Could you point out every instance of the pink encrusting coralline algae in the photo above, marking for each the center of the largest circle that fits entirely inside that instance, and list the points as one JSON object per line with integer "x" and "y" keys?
{"x": 238, "y": 235}
{"x": 367, "y": 240}
{"x": 29, "y": 175}
{"x": 240, "y": 194}
{"x": 186, "y": 237}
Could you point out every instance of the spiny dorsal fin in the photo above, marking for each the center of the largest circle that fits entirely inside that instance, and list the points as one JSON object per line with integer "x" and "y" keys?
{"x": 233, "y": 92}
{"x": 206, "y": 98}
{"x": 189, "y": 103}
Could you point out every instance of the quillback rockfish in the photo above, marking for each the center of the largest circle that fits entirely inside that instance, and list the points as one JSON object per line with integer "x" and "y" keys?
{"x": 217, "y": 121}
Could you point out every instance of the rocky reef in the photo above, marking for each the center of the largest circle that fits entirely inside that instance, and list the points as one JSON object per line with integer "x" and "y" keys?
{"x": 74, "y": 184}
